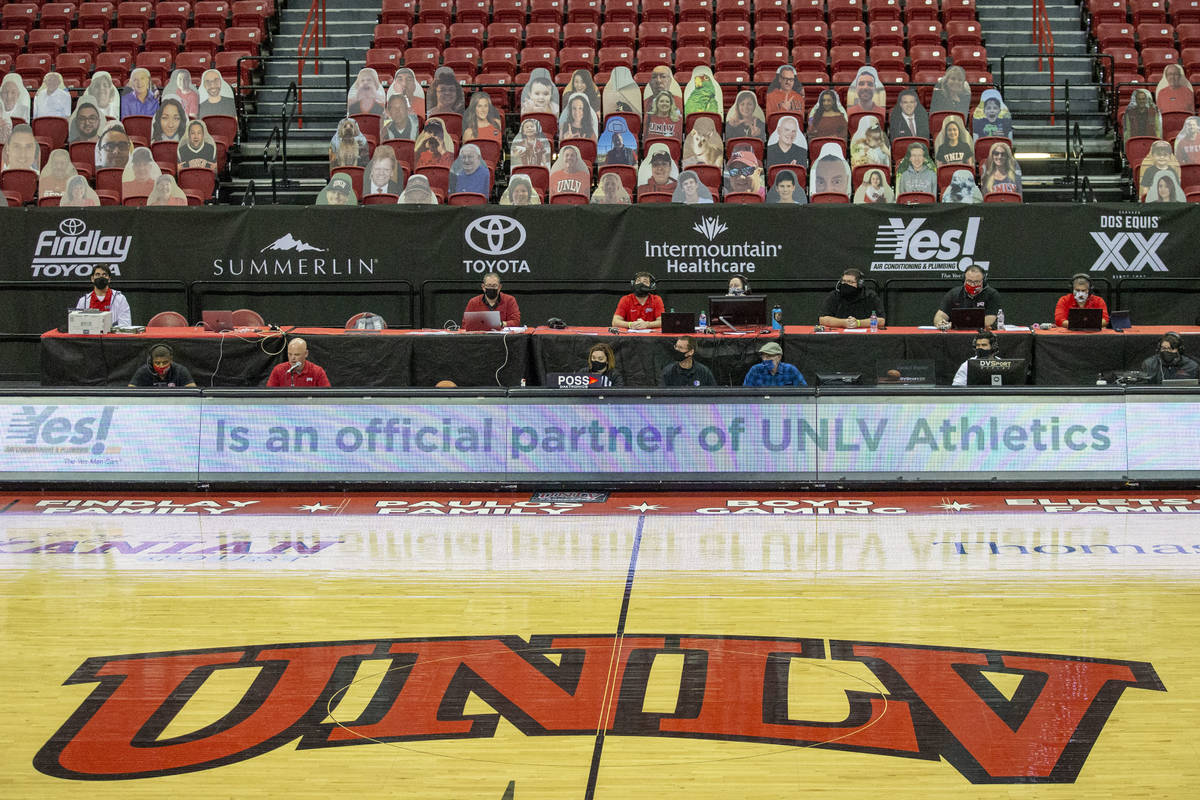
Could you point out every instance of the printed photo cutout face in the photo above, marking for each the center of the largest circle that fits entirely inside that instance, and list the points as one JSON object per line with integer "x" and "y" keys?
{"x": 52, "y": 182}
{"x": 399, "y": 121}
{"x": 1002, "y": 173}
{"x": 661, "y": 80}
{"x": 530, "y": 147}
{"x": 828, "y": 117}
{"x": 418, "y": 192}
{"x": 102, "y": 92}
{"x": 1141, "y": 117}
{"x": 520, "y": 192}
{"x": 952, "y": 93}
{"x": 1187, "y": 143}
{"x": 992, "y": 117}
{"x": 869, "y": 145}
{"x": 830, "y": 172}
{"x": 746, "y": 118}
{"x": 658, "y": 171}
{"x": 113, "y": 147}
{"x": 703, "y": 145}
{"x": 953, "y": 144}
{"x": 622, "y": 95}
{"x": 140, "y": 97}
{"x": 691, "y": 190}
{"x": 52, "y": 98}
{"x": 468, "y": 173}
{"x": 703, "y": 93}
{"x": 140, "y": 173}
{"x": 577, "y": 120}
{"x": 405, "y": 82}
{"x": 6, "y": 126}
{"x": 434, "y": 147}
{"x": 867, "y": 93}
{"x": 216, "y": 96}
{"x": 348, "y": 147}
{"x": 917, "y": 171}
{"x": 481, "y": 120}
{"x": 617, "y": 145}
{"x": 874, "y": 188}
{"x": 338, "y": 192}
{"x": 366, "y": 95}
{"x": 663, "y": 118}
{"x": 785, "y": 94}
{"x": 1166, "y": 189}
{"x": 166, "y": 192}
{"x": 197, "y": 149}
{"x": 540, "y": 95}
{"x": 744, "y": 172}
{"x": 582, "y": 83}
{"x": 445, "y": 93}
{"x": 383, "y": 173}
{"x": 180, "y": 86}
{"x": 170, "y": 121}
{"x": 962, "y": 188}
{"x": 1174, "y": 92}
{"x": 909, "y": 117}
{"x": 570, "y": 173}
{"x": 85, "y": 122}
{"x": 1161, "y": 158}
{"x": 79, "y": 194}
{"x": 15, "y": 97}
{"x": 610, "y": 191}
{"x": 787, "y": 144}
{"x": 786, "y": 189}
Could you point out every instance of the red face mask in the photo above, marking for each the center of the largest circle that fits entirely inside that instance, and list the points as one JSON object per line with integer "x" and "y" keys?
{"x": 972, "y": 290}
{"x": 162, "y": 371}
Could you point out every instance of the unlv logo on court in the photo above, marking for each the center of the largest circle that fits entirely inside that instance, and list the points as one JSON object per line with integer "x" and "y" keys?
{"x": 940, "y": 702}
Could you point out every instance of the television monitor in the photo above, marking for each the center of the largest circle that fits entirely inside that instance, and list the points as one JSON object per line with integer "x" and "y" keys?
{"x": 890, "y": 372}
{"x": 678, "y": 322}
{"x": 1120, "y": 320}
{"x": 996, "y": 372}
{"x": 744, "y": 311}
{"x": 967, "y": 319}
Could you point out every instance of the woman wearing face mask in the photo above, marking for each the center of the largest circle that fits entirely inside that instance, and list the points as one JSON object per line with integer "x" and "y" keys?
{"x": 104, "y": 298}
{"x": 738, "y": 286}
{"x": 602, "y": 363}
{"x": 1169, "y": 362}
{"x": 1080, "y": 297}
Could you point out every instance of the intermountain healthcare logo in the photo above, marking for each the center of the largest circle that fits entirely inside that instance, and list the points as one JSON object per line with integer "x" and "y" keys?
{"x": 940, "y": 703}
{"x": 72, "y": 251}
{"x": 710, "y": 258}
{"x": 910, "y": 249}
{"x": 491, "y": 236}
{"x": 36, "y": 429}
{"x": 1113, "y": 248}
{"x": 301, "y": 267}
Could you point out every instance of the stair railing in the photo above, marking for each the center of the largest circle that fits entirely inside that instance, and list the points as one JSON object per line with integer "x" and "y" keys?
{"x": 248, "y": 197}
{"x": 1043, "y": 37}
{"x": 314, "y": 35}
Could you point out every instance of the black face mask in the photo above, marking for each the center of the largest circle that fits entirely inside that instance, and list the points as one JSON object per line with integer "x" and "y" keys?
{"x": 847, "y": 291}
{"x": 100, "y": 283}
{"x": 1169, "y": 357}
{"x": 680, "y": 356}
{"x": 641, "y": 289}
{"x": 599, "y": 366}
{"x": 981, "y": 353}
{"x": 491, "y": 294}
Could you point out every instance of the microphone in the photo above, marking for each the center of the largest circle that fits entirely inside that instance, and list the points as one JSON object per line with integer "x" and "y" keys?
{"x": 295, "y": 368}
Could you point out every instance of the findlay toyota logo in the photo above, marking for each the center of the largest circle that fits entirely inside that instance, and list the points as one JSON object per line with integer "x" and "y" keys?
{"x": 72, "y": 251}
{"x": 1142, "y": 247}
{"x": 742, "y": 257}
{"x": 908, "y": 248}
{"x": 494, "y": 235}
{"x": 275, "y": 261}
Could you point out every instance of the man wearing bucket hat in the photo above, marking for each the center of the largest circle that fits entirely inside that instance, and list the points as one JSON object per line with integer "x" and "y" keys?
{"x": 772, "y": 371}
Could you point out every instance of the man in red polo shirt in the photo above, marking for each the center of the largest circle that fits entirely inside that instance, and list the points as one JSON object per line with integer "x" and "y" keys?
{"x": 642, "y": 308}
{"x": 298, "y": 371}
{"x": 493, "y": 299}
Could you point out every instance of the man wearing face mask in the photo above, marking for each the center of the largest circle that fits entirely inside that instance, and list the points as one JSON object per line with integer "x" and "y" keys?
{"x": 602, "y": 364}
{"x": 642, "y": 308}
{"x": 1081, "y": 297}
{"x": 104, "y": 298}
{"x": 161, "y": 371}
{"x": 686, "y": 371}
{"x": 772, "y": 371}
{"x": 971, "y": 294}
{"x": 1170, "y": 362}
{"x": 850, "y": 304}
{"x": 986, "y": 346}
{"x": 493, "y": 299}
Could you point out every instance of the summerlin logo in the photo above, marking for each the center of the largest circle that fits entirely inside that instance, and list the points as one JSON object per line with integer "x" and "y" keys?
{"x": 278, "y": 263}
{"x": 909, "y": 248}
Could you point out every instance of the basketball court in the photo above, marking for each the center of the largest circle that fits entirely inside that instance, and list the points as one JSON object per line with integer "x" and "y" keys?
{"x": 916, "y": 645}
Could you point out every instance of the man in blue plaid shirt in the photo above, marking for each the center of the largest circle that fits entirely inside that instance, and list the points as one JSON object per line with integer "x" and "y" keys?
{"x": 771, "y": 371}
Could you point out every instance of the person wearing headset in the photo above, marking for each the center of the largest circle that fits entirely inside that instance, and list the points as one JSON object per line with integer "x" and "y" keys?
{"x": 641, "y": 309}
{"x": 973, "y": 293}
{"x": 850, "y": 304}
{"x": 1080, "y": 297}
{"x": 1169, "y": 362}
{"x": 987, "y": 345}
{"x": 161, "y": 371}
{"x": 738, "y": 286}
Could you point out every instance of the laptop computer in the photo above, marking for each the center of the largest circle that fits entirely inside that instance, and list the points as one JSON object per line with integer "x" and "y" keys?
{"x": 1120, "y": 320}
{"x": 481, "y": 321}
{"x": 218, "y": 321}
{"x": 678, "y": 322}
{"x": 1085, "y": 319}
{"x": 996, "y": 372}
{"x": 967, "y": 319}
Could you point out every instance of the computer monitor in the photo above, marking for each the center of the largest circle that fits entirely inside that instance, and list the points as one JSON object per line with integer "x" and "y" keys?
{"x": 967, "y": 319}
{"x": 889, "y": 372}
{"x": 1085, "y": 319}
{"x": 683, "y": 322}
{"x": 481, "y": 321}
{"x": 219, "y": 321}
{"x": 996, "y": 372}
{"x": 1120, "y": 320}
{"x": 745, "y": 311}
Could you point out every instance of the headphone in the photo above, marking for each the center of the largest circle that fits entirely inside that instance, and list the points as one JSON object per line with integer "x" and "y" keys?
{"x": 993, "y": 340}
{"x": 1174, "y": 338}
{"x": 653, "y": 280}
{"x": 1081, "y": 276}
{"x": 150, "y": 352}
{"x": 745, "y": 282}
{"x": 857, "y": 273}
{"x": 556, "y": 323}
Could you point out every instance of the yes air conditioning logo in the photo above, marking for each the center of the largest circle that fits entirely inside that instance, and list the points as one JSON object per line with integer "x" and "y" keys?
{"x": 40, "y": 429}
{"x": 909, "y": 247}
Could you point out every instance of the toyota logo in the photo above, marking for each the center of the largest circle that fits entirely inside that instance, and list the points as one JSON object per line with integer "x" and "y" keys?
{"x": 71, "y": 226}
{"x": 495, "y": 235}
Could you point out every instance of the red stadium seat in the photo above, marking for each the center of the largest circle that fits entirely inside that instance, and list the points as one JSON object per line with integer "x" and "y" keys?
{"x": 20, "y": 16}
{"x": 808, "y": 58}
{"x": 168, "y": 319}
{"x": 195, "y": 63}
{"x": 500, "y": 59}
{"x": 390, "y": 36}
{"x": 969, "y": 57}
{"x": 543, "y": 34}
{"x": 883, "y": 10}
{"x": 925, "y": 57}
{"x": 464, "y": 34}
{"x": 619, "y": 34}
{"x": 428, "y": 34}
{"x": 96, "y": 15}
{"x": 463, "y": 60}
{"x": 399, "y": 12}
{"x": 964, "y": 33}
{"x": 530, "y": 58}
{"x": 1184, "y": 11}
{"x": 1156, "y": 34}
{"x": 437, "y": 11}
{"x": 573, "y": 58}
{"x": 833, "y": 198}
{"x": 125, "y": 40}
{"x": 52, "y": 129}
{"x": 243, "y": 40}
{"x": 75, "y": 68}
{"x": 810, "y": 32}
{"x": 612, "y": 57}
{"x": 920, "y": 10}
{"x": 771, "y": 11}
{"x": 173, "y": 14}
{"x": 914, "y": 198}
{"x": 222, "y": 128}
{"x": 621, "y": 11}
{"x": 847, "y": 57}
{"x": 658, "y": 11}
{"x": 735, "y": 58}
{"x": 540, "y": 11}
{"x": 203, "y": 40}
{"x": 738, "y": 32}
{"x": 134, "y": 14}
{"x": 83, "y": 157}
{"x": 849, "y": 10}
{"x": 650, "y": 57}
{"x": 505, "y": 34}
{"x": 47, "y": 41}
{"x": 696, "y": 11}
{"x": 847, "y": 32}
{"x": 58, "y": 15}
{"x": 887, "y": 33}
{"x": 771, "y": 32}
{"x": 1148, "y": 11}
{"x": 12, "y": 43}
{"x": 166, "y": 40}
{"x": 733, "y": 10}
{"x": 1155, "y": 59}
{"x": 813, "y": 10}
{"x": 583, "y": 11}
{"x": 886, "y": 57}
{"x": 211, "y": 14}
{"x": 157, "y": 62}
{"x": 32, "y": 67}
{"x": 250, "y": 14}
{"x": 118, "y": 65}
{"x": 656, "y": 33}
{"x": 924, "y": 32}
{"x": 962, "y": 9}
{"x": 471, "y": 12}
{"x": 1188, "y": 34}
{"x": 87, "y": 41}
{"x": 20, "y": 182}
{"x": 1002, "y": 197}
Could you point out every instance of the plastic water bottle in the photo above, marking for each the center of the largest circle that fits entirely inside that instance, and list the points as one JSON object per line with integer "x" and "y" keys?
{"x": 1000, "y": 319}
{"x": 874, "y": 322}
{"x": 703, "y": 324}
{"x": 777, "y": 318}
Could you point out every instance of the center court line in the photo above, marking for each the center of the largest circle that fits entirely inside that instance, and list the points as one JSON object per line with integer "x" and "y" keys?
{"x": 598, "y": 749}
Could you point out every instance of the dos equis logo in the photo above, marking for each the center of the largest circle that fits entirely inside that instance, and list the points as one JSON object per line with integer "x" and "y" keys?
{"x": 940, "y": 703}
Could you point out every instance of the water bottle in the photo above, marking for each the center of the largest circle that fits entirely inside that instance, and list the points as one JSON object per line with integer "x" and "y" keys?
{"x": 777, "y": 318}
{"x": 874, "y": 322}
{"x": 1000, "y": 319}
{"x": 703, "y": 323}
